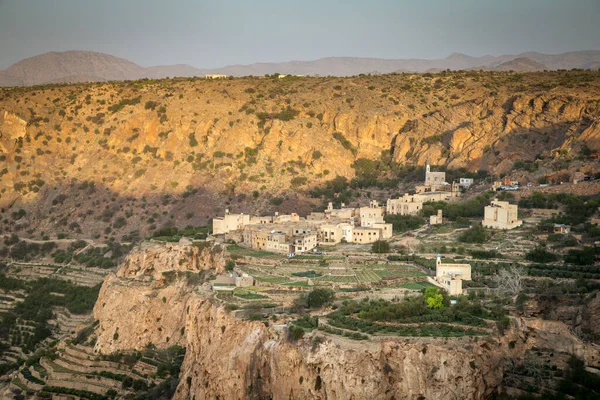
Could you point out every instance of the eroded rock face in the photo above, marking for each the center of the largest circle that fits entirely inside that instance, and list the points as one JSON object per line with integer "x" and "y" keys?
{"x": 235, "y": 359}
{"x": 159, "y": 296}
{"x": 147, "y": 300}
{"x": 153, "y": 259}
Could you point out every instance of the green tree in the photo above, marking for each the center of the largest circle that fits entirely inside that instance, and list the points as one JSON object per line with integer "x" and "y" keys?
{"x": 380, "y": 246}
{"x": 433, "y": 298}
{"x": 476, "y": 234}
{"x": 319, "y": 297}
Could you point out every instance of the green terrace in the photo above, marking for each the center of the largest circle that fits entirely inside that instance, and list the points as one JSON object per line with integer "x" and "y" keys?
{"x": 413, "y": 316}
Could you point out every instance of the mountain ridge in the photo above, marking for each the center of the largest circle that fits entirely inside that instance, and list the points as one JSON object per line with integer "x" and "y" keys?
{"x": 87, "y": 66}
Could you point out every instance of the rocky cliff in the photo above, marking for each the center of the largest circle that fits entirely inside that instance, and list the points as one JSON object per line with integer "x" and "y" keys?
{"x": 230, "y": 358}
{"x": 147, "y": 301}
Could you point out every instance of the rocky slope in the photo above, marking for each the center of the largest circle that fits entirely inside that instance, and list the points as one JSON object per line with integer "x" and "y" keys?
{"x": 231, "y": 358}
{"x": 183, "y": 148}
{"x": 70, "y": 66}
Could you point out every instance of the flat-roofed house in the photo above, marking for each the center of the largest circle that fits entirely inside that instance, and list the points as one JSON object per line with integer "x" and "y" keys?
{"x": 386, "y": 230}
{"x": 365, "y": 235}
{"x": 277, "y": 243}
{"x": 304, "y": 242}
{"x": 229, "y": 222}
{"x": 332, "y": 233}
{"x": 372, "y": 214}
{"x": 501, "y": 215}
{"x": 450, "y": 276}
{"x": 405, "y": 205}
{"x": 465, "y": 182}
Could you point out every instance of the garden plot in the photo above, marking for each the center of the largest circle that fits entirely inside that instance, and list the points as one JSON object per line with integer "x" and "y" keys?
{"x": 367, "y": 276}
{"x": 337, "y": 279}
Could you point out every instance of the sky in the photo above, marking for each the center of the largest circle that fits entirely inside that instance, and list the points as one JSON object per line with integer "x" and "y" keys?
{"x": 209, "y": 34}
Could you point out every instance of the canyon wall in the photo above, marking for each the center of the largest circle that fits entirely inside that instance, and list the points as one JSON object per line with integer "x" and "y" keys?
{"x": 161, "y": 296}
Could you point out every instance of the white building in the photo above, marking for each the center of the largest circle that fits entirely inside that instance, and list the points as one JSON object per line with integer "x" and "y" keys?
{"x": 465, "y": 182}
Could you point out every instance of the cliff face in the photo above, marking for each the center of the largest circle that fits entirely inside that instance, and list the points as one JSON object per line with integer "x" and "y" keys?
{"x": 234, "y": 359}
{"x": 147, "y": 301}
{"x": 158, "y": 297}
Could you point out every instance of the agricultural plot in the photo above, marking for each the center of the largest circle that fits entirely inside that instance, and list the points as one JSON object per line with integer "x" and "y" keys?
{"x": 262, "y": 277}
{"x": 367, "y": 276}
{"x": 337, "y": 279}
{"x": 392, "y": 273}
{"x": 416, "y": 285}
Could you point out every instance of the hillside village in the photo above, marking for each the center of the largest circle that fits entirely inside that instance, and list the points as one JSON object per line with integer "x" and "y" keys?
{"x": 291, "y": 234}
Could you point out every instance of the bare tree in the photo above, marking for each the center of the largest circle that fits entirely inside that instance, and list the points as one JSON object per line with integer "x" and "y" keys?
{"x": 508, "y": 281}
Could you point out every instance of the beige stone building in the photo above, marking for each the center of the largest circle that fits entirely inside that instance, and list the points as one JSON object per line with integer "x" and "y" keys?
{"x": 501, "y": 215}
{"x": 304, "y": 242}
{"x": 230, "y": 222}
{"x": 371, "y": 214}
{"x": 405, "y": 205}
{"x": 450, "y": 276}
{"x": 434, "y": 179}
{"x": 436, "y": 219}
{"x": 332, "y": 233}
{"x": 385, "y": 230}
{"x": 277, "y": 242}
{"x": 339, "y": 213}
{"x": 215, "y": 76}
{"x": 364, "y": 235}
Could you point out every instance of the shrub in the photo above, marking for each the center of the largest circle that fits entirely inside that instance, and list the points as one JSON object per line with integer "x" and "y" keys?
{"x": 345, "y": 142}
{"x": 476, "y": 234}
{"x": 403, "y": 223}
{"x": 295, "y": 333}
{"x": 433, "y": 298}
{"x": 541, "y": 255}
{"x": 320, "y": 297}
{"x": 380, "y": 246}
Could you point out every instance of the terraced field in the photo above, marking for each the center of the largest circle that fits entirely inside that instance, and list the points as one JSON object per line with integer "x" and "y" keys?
{"x": 76, "y": 370}
{"x": 367, "y": 276}
{"x": 240, "y": 251}
{"x": 84, "y": 276}
{"x": 337, "y": 279}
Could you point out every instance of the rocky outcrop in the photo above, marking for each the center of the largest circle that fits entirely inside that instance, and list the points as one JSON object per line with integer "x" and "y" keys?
{"x": 158, "y": 298}
{"x": 147, "y": 301}
{"x": 180, "y": 150}
{"x": 153, "y": 259}
{"x": 233, "y": 359}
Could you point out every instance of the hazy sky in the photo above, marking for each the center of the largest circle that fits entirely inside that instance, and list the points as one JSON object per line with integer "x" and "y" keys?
{"x": 222, "y": 32}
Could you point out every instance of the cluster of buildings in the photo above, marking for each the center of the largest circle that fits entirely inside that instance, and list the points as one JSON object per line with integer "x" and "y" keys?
{"x": 292, "y": 234}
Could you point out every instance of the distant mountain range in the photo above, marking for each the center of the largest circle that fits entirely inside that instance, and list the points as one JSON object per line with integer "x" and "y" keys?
{"x": 87, "y": 66}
